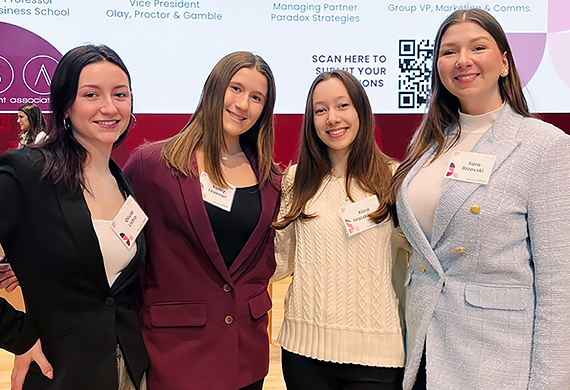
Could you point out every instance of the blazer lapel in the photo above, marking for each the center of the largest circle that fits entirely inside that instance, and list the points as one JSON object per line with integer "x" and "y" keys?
{"x": 268, "y": 202}
{"x": 498, "y": 141}
{"x": 199, "y": 222}
{"x": 408, "y": 222}
{"x": 78, "y": 219}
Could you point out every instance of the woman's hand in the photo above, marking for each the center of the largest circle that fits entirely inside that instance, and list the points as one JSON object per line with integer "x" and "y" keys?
{"x": 22, "y": 365}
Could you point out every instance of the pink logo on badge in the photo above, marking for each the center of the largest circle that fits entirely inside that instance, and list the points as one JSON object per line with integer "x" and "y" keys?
{"x": 450, "y": 169}
{"x": 351, "y": 227}
{"x": 125, "y": 238}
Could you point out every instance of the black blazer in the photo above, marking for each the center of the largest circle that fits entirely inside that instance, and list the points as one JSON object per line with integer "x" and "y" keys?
{"x": 49, "y": 239}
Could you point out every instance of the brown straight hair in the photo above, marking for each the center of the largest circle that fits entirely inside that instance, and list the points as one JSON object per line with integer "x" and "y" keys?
{"x": 205, "y": 129}
{"x": 443, "y": 113}
{"x": 36, "y": 121}
{"x": 366, "y": 165}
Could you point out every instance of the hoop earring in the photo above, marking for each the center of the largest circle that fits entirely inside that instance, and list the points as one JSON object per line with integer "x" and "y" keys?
{"x": 133, "y": 118}
{"x": 67, "y": 125}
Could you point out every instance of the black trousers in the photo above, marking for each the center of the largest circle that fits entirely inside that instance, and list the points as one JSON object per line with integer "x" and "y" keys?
{"x": 254, "y": 386}
{"x": 303, "y": 373}
{"x": 421, "y": 380}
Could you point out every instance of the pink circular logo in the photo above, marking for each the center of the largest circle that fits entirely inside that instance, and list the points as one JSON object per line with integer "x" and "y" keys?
{"x": 6, "y": 74}
{"x": 27, "y": 64}
{"x": 37, "y": 73}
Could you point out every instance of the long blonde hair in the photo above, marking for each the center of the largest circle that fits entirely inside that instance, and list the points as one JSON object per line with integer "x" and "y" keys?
{"x": 205, "y": 130}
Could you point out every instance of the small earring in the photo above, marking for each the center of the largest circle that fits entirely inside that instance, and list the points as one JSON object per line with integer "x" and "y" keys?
{"x": 67, "y": 124}
{"x": 133, "y": 119}
{"x": 505, "y": 72}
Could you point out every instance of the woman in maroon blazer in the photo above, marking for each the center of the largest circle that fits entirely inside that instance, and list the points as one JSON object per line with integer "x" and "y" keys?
{"x": 211, "y": 193}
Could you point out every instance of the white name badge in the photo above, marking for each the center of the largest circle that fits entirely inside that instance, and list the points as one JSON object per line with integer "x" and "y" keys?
{"x": 470, "y": 167}
{"x": 355, "y": 215}
{"x": 217, "y": 196}
{"x": 129, "y": 222}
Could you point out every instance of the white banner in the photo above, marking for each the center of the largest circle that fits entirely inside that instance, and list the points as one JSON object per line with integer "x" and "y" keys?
{"x": 171, "y": 46}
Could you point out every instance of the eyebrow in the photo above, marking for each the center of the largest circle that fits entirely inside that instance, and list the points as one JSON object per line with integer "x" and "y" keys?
{"x": 480, "y": 38}
{"x": 99, "y": 87}
{"x": 341, "y": 97}
{"x": 242, "y": 86}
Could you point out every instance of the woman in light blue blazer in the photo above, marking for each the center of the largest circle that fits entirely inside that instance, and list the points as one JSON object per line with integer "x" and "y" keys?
{"x": 484, "y": 200}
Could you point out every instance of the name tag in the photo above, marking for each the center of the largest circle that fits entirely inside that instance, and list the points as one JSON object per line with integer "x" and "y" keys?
{"x": 129, "y": 222}
{"x": 355, "y": 215}
{"x": 217, "y": 196}
{"x": 470, "y": 167}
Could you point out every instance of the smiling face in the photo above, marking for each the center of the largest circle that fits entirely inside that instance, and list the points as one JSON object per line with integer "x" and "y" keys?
{"x": 469, "y": 66}
{"x": 335, "y": 117}
{"x": 102, "y": 107}
{"x": 23, "y": 121}
{"x": 243, "y": 102}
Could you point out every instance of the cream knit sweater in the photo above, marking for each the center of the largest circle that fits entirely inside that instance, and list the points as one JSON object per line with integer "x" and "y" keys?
{"x": 341, "y": 306}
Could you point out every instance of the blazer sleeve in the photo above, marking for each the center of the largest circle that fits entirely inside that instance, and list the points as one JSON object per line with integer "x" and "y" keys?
{"x": 549, "y": 233}
{"x": 134, "y": 171}
{"x": 285, "y": 238}
{"x": 17, "y": 332}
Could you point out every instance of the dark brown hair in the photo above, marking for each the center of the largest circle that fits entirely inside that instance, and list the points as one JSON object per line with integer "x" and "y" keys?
{"x": 64, "y": 156}
{"x": 205, "y": 130}
{"x": 36, "y": 121}
{"x": 367, "y": 165}
{"x": 443, "y": 113}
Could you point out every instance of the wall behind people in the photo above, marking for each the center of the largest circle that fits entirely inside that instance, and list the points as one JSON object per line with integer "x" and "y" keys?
{"x": 395, "y": 132}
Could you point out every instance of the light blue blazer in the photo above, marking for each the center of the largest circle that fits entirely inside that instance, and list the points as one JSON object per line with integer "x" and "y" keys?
{"x": 489, "y": 296}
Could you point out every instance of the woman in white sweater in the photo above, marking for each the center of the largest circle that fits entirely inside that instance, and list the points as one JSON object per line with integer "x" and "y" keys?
{"x": 341, "y": 327}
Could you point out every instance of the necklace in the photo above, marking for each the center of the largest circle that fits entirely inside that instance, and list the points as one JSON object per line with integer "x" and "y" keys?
{"x": 225, "y": 158}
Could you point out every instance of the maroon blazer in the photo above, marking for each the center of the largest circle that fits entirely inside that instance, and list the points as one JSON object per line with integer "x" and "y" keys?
{"x": 205, "y": 326}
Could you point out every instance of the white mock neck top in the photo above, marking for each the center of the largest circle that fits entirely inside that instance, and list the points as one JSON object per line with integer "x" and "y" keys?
{"x": 425, "y": 188}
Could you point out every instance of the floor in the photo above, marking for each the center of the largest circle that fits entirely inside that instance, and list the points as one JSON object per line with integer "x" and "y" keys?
{"x": 274, "y": 380}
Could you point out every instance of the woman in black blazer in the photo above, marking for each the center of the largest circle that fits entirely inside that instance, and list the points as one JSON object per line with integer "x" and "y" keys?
{"x": 57, "y": 204}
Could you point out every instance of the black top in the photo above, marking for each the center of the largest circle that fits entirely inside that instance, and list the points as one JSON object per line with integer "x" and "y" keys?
{"x": 233, "y": 229}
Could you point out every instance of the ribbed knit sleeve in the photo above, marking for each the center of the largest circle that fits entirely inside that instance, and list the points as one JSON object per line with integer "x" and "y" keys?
{"x": 285, "y": 238}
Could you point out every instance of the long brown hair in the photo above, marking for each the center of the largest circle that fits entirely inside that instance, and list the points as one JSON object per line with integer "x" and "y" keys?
{"x": 36, "y": 121}
{"x": 367, "y": 165}
{"x": 205, "y": 130}
{"x": 443, "y": 113}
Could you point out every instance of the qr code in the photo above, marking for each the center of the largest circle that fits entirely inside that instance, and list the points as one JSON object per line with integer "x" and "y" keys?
{"x": 415, "y": 63}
